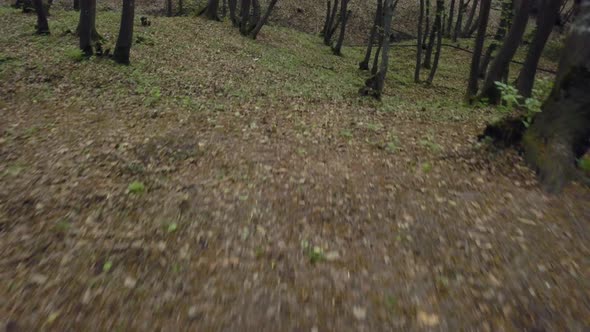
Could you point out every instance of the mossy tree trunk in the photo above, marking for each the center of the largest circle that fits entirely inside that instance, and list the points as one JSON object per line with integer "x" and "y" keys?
{"x": 561, "y": 133}
{"x": 125, "y": 39}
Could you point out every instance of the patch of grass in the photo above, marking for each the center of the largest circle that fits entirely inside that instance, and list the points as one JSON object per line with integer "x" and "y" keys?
{"x": 346, "y": 133}
{"x": 75, "y": 54}
{"x": 136, "y": 187}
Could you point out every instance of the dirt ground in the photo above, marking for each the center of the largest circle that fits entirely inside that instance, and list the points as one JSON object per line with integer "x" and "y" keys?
{"x": 224, "y": 184}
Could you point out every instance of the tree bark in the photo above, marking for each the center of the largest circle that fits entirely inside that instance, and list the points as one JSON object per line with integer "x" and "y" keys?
{"x": 545, "y": 23}
{"x": 561, "y": 132}
{"x": 345, "y": 14}
{"x": 374, "y": 85}
{"x": 507, "y": 12}
{"x": 500, "y": 64}
{"x": 264, "y": 19}
{"x": 440, "y": 8}
{"x": 76, "y": 5}
{"x": 245, "y": 16}
{"x": 430, "y": 47}
{"x": 327, "y": 20}
{"x": 451, "y": 18}
{"x": 332, "y": 24}
{"x": 470, "y": 18}
{"x": 419, "y": 46}
{"x": 459, "y": 23}
{"x": 427, "y": 27}
{"x": 233, "y": 4}
{"x": 212, "y": 9}
{"x": 364, "y": 65}
{"x": 168, "y": 8}
{"x": 484, "y": 14}
{"x": 85, "y": 26}
{"x": 42, "y": 25}
{"x": 125, "y": 39}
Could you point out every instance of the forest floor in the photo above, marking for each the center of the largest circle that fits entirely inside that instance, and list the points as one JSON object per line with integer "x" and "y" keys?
{"x": 220, "y": 183}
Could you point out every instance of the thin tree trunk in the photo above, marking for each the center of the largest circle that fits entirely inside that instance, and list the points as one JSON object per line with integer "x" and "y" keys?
{"x": 76, "y": 5}
{"x": 345, "y": 14}
{"x": 327, "y": 20}
{"x": 264, "y": 19}
{"x": 484, "y": 14}
{"x": 419, "y": 46}
{"x": 507, "y": 12}
{"x": 450, "y": 18}
{"x": 125, "y": 39}
{"x": 331, "y": 28}
{"x": 506, "y": 53}
{"x": 440, "y": 8}
{"x": 180, "y": 7}
{"x": 470, "y": 18}
{"x": 545, "y": 22}
{"x": 431, "y": 39}
{"x": 374, "y": 85}
{"x": 458, "y": 24}
{"x": 42, "y": 25}
{"x": 561, "y": 133}
{"x": 364, "y": 65}
{"x": 427, "y": 28}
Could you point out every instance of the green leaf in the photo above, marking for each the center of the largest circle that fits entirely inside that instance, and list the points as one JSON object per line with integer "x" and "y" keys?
{"x": 172, "y": 227}
{"x": 107, "y": 266}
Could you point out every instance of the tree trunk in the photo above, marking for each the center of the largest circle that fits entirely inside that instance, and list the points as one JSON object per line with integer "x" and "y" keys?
{"x": 212, "y": 9}
{"x": 85, "y": 27}
{"x": 545, "y": 22}
{"x": 427, "y": 27}
{"x": 233, "y": 4}
{"x": 440, "y": 8}
{"x": 374, "y": 85}
{"x": 561, "y": 132}
{"x": 125, "y": 38}
{"x": 264, "y": 19}
{"x": 168, "y": 8}
{"x": 430, "y": 47}
{"x": 484, "y": 14}
{"x": 245, "y": 17}
{"x": 180, "y": 7}
{"x": 506, "y": 53}
{"x": 470, "y": 18}
{"x": 332, "y": 24}
{"x": 507, "y": 12}
{"x": 419, "y": 46}
{"x": 345, "y": 14}
{"x": 459, "y": 23}
{"x": 364, "y": 65}
{"x": 76, "y": 5}
{"x": 328, "y": 8}
{"x": 451, "y": 18}
{"x": 42, "y": 25}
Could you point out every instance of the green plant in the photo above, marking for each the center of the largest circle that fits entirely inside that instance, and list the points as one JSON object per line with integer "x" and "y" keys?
{"x": 136, "y": 187}
{"x": 531, "y": 106}
{"x": 75, "y": 54}
{"x": 584, "y": 164}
